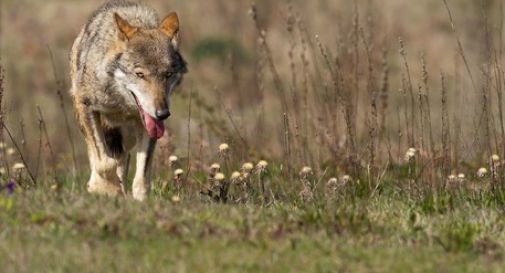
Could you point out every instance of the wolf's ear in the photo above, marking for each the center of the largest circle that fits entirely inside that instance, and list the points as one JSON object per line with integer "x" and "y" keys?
{"x": 170, "y": 26}
{"x": 126, "y": 31}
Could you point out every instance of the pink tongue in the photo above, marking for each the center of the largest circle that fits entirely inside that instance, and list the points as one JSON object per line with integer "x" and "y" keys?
{"x": 155, "y": 129}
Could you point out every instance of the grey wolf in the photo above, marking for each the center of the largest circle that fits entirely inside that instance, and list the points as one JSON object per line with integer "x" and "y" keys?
{"x": 124, "y": 63}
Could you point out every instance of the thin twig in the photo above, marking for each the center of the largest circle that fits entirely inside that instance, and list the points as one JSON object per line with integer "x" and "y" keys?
{"x": 20, "y": 154}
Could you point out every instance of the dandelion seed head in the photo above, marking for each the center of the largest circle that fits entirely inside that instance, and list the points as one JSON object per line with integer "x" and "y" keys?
{"x": 262, "y": 164}
{"x": 247, "y": 167}
{"x": 215, "y": 167}
{"x": 235, "y": 175}
{"x": 224, "y": 147}
{"x": 495, "y": 158}
{"x": 18, "y": 166}
{"x": 178, "y": 172}
{"x": 219, "y": 177}
{"x": 410, "y": 154}
{"x": 306, "y": 170}
{"x": 173, "y": 159}
{"x": 452, "y": 177}
{"x": 332, "y": 181}
{"x": 461, "y": 177}
{"x": 346, "y": 178}
{"x": 482, "y": 172}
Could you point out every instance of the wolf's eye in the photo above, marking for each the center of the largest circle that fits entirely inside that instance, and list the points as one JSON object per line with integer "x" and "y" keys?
{"x": 169, "y": 74}
{"x": 140, "y": 75}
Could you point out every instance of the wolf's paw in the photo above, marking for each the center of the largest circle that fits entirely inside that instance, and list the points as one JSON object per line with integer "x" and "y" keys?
{"x": 140, "y": 189}
{"x": 98, "y": 185}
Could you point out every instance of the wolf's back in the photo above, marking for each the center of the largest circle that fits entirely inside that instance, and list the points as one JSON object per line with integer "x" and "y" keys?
{"x": 94, "y": 46}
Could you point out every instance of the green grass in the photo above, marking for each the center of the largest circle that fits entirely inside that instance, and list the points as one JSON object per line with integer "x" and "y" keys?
{"x": 47, "y": 230}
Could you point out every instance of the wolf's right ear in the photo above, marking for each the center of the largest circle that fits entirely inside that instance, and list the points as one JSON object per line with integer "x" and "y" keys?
{"x": 126, "y": 31}
{"x": 170, "y": 26}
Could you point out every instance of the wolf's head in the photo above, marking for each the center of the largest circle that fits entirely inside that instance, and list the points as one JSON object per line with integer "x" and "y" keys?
{"x": 150, "y": 68}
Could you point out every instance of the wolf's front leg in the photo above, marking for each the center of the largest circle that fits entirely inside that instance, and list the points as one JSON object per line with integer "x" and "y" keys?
{"x": 141, "y": 182}
{"x": 104, "y": 179}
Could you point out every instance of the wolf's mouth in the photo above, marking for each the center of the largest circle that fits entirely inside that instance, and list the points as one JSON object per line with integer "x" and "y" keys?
{"x": 155, "y": 128}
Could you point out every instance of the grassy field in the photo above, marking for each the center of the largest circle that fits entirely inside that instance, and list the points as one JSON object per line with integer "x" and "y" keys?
{"x": 382, "y": 123}
{"x": 57, "y": 230}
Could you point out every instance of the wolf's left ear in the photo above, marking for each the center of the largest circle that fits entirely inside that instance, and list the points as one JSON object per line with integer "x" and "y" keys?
{"x": 126, "y": 31}
{"x": 170, "y": 26}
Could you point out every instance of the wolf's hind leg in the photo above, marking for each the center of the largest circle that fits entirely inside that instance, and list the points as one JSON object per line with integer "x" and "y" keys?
{"x": 104, "y": 179}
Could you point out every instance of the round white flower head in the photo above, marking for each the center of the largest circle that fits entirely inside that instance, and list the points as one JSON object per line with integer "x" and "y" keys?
{"x": 215, "y": 167}
{"x": 262, "y": 164}
{"x": 178, "y": 172}
{"x": 176, "y": 199}
{"x": 173, "y": 158}
{"x": 235, "y": 176}
{"x": 461, "y": 177}
{"x": 247, "y": 167}
{"x": 452, "y": 177}
{"x": 18, "y": 166}
{"x": 410, "y": 154}
{"x": 482, "y": 172}
{"x": 495, "y": 158}
{"x": 219, "y": 177}
{"x": 224, "y": 147}
{"x": 306, "y": 170}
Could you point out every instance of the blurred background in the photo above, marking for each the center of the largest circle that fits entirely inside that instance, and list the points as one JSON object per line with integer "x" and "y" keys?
{"x": 270, "y": 88}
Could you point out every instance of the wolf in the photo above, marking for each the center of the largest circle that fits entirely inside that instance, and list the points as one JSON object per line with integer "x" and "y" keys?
{"x": 124, "y": 65}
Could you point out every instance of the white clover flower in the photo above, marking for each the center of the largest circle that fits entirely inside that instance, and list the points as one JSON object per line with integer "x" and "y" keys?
{"x": 306, "y": 170}
{"x": 247, "y": 167}
{"x": 219, "y": 177}
{"x": 173, "y": 159}
{"x": 224, "y": 147}
{"x": 482, "y": 172}
{"x": 178, "y": 172}
{"x": 452, "y": 177}
{"x": 18, "y": 166}
{"x": 176, "y": 199}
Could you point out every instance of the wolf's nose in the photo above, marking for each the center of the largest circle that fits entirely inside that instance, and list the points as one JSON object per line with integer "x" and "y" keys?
{"x": 162, "y": 114}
